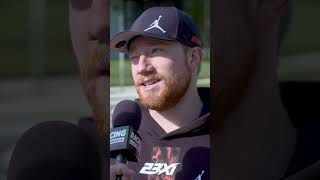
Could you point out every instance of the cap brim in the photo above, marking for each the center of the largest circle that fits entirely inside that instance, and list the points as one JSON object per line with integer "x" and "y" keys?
{"x": 119, "y": 43}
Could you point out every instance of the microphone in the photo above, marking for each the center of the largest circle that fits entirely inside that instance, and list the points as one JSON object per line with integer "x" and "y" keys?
{"x": 55, "y": 150}
{"x": 125, "y": 142}
{"x": 89, "y": 126}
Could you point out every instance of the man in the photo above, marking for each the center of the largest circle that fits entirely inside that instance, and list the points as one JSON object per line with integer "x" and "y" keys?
{"x": 164, "y": 47}
{"x": 254, "y": 137}
{"x": 81, "y": 151}
{"x": 89, "y": 27}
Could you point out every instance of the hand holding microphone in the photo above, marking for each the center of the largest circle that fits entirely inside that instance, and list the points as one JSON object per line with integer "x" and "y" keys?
{"x": 125, "y": 142}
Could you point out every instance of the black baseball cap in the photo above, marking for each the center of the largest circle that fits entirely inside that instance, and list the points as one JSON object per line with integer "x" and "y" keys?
{"x": 165, "y": 23}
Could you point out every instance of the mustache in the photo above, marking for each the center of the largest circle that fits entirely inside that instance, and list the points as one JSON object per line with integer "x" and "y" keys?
{"x": 142, "y": 78}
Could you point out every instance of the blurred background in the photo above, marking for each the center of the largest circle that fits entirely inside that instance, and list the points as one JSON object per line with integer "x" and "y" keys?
{"x": 38, "y": 71}
{"x": 123, "y": 14}
{"x": 300, "y": 52}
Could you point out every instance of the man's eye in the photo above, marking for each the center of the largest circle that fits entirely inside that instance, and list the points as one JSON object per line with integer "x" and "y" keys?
{"x": 134, "y": 58}
{"x": 155, "y": 50}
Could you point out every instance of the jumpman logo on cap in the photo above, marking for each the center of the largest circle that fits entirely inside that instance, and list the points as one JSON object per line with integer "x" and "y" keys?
{"x": 200, "y": 175}
{"x": 155, "y": 24}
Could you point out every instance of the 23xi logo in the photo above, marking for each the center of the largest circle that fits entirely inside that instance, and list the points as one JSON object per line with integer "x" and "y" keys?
{"x": 163, "y": 165}
{"x": 159, "y": 169}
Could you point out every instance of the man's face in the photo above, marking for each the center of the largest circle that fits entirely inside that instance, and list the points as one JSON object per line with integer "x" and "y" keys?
{"x": 89, "y": 26}
{"x": 160, "y": 71}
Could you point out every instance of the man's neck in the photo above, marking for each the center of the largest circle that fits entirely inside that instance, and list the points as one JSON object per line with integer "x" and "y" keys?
{"x": 186, "y": 110}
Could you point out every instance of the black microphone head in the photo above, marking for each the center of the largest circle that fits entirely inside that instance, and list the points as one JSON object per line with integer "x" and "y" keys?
{"x": 55, "y": 150}
{"x": 89, "y": 126}
{"x": 127, "y": 113}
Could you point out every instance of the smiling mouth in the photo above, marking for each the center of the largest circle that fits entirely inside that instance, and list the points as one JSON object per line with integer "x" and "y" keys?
{"x": 150, "y": 82}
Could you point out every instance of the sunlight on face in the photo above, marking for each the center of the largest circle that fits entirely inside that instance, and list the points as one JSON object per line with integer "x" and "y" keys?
{"x": 160, "y": 72}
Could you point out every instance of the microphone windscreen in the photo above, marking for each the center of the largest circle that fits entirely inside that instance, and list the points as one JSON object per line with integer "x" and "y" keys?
{"x": 127, "y": 113}
{"x": 89, "y": 126}
{"x": 55, "y": 150}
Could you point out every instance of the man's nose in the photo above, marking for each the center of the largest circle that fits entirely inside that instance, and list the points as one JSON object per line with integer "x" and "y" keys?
{"x": 99, "y": 21}
{"x": 144, "y": 65}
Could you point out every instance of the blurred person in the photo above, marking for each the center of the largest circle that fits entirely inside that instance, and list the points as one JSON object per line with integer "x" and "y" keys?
{"x": 254, "y": 136}
{"x": 165, "y": 50}
{"x": 81, "y": 150}
{"x": 89, "y": 28}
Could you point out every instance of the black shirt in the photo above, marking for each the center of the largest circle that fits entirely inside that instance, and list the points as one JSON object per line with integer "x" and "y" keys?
{"x": 181, "y": 154}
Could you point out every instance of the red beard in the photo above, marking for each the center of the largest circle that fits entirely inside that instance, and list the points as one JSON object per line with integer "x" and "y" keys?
{"x": 171, "y": 91}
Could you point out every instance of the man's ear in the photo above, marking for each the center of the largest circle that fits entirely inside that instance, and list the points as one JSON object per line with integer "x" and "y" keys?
{"x": 196, "y": 57}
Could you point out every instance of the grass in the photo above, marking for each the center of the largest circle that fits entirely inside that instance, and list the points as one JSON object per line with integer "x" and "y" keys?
{"x": 114, "y": 72}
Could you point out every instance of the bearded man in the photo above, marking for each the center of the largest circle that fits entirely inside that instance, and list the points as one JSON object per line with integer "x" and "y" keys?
{"x": 89, "y": 29}
{"x": 165, "y": 50}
